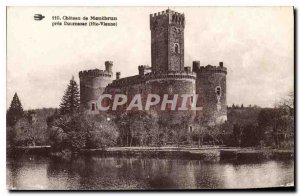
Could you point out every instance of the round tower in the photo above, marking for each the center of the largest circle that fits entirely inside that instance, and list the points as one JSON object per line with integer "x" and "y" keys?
{"x": 92, "y": 85}
{"x": 173, "y": 84}
{"x": 211, "y": 90}
{"x": 169, "y": 76}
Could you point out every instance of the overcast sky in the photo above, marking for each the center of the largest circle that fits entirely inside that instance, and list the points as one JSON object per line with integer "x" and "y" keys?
{"x": 255, "y": 44}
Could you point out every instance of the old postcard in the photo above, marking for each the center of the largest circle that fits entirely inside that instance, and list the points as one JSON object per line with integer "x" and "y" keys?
{"x": 150, "y": 98}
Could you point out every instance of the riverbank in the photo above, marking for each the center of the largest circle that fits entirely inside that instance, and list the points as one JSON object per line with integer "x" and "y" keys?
{"x": 206, "y": 153}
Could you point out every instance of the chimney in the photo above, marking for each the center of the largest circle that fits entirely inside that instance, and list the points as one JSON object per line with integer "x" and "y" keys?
{"x": 118, "y": 75}
{"x": 141, "y": 70}
{"x": 196, "y": 66}
{"x": 221, "y": 64}
{"x": 187, "y": 69}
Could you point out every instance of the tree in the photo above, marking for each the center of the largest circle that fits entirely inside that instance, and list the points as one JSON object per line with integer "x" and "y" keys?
{"x": 237, "y": 134}
{"x": 251, "y": 136}
{"x": 29, "y": 131}
{"x": 284, "y": 122}
{"x": 74, "y": 131}
{"x": 186, "y": 120}
{"x": 10, "y": 135}
{"x": 56, "y": 136}
{"x": 277, "y": 124}
{"x": 103, "y": 132}
{"x": 199, "y": 132}
{"x": 138, "y": 128}
{"x": 288, "y": 103}
{"x": 15, "y": 111}
{"x": 214, "y": 132}
{"x": 71, "y": 99}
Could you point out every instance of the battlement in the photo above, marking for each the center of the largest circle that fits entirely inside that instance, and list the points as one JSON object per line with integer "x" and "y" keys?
{"x": 172, "y": 17}
{"x": 97, "y": 72}
{"x": 171, "y": 74}
{"x": 94, "y": 73}
{"x": 153, "y": 76}
{"x": 126, "y": 81}
{"x": 208, "y": 68}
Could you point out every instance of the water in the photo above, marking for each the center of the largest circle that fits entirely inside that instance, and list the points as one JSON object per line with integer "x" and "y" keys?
{"x": 106, "y": 173}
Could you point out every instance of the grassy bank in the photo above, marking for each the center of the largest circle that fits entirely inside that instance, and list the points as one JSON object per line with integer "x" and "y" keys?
{"x": 207, "y": 153}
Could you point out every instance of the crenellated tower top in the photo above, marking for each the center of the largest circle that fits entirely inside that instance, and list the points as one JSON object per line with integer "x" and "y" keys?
{"x": 172, "y": 17}
{"x": 167, "y": 41}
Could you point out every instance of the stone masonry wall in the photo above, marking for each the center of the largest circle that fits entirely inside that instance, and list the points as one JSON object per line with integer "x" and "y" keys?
{"x": 167, "y": 41}
{"x": 211, "y": 88}
{"x": 91, "y": 87}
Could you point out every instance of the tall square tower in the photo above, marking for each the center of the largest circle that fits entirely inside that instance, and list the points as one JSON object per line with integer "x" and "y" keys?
{"x": 167, "y": 41}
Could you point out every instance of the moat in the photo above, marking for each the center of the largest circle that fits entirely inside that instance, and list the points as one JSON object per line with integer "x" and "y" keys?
{"x": 118, "y": 173}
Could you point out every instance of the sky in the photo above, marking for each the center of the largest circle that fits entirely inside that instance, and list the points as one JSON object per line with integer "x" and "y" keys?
{"x": 256, "y": 45}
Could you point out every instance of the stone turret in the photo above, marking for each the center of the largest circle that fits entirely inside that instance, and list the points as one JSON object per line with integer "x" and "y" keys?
{"x": 118, "y": 75}
{"x": 211, "y": 88}
{"x": 92, "y": 85}
{"x": 108, "y": 66}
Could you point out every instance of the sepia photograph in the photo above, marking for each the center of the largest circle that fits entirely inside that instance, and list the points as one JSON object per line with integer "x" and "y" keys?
{"x": 150, "y": 98}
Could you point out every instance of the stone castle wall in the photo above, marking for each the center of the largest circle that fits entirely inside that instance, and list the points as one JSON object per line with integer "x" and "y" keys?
{"x": 177, "y": 82}
{"x": 167, "y": 75}
{"x": 173, "y": 83}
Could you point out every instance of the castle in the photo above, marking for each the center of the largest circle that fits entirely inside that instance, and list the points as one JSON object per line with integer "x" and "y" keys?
{"x": 167, "y": 74}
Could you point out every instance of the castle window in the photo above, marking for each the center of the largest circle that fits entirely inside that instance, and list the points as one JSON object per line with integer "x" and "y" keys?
{"x": 176, "y": 48}
{"x": 93, "y": 107}
{"x": 218, "y": 91}
{"x": 170, "y": 89}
